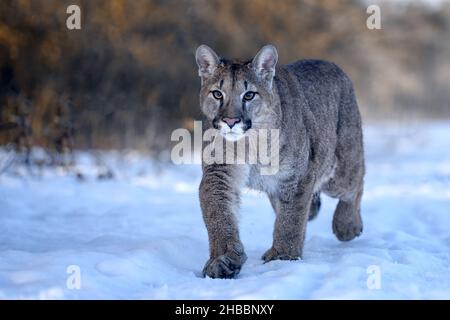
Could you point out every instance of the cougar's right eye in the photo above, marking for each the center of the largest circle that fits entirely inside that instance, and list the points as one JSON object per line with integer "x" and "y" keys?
{"x": 217, "y": 94}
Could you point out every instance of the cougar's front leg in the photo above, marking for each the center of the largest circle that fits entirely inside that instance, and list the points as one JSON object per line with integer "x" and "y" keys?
{"x": 219, "y": 199}
{"x": 292, "y": 212}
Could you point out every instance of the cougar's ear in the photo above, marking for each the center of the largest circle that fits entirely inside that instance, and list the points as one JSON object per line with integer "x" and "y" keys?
{"x": 207, "y": 61}
{"x": 264, "y": 63}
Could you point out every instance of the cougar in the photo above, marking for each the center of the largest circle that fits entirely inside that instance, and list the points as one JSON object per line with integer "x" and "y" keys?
{"x": 313, "y": 105}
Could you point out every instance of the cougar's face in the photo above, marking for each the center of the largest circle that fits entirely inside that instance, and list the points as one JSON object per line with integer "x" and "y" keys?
{"x": 231, "y": 100}
{"x": 235, "y": 96}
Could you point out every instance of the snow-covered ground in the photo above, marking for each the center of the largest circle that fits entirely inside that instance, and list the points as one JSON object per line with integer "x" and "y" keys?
{"x": 141, "y": 235}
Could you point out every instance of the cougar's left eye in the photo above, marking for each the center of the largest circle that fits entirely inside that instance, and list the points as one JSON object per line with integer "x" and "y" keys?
{"x": 249, "y": 95}
{"x": 217, "y": 94}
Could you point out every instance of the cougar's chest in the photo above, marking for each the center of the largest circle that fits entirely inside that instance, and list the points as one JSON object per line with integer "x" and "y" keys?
{"x": 265, "y": 183}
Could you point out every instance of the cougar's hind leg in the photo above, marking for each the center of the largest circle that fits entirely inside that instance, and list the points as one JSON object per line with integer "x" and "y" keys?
{"x": 315, "y": 206}
{"x": 347, "y": 183}
{"x": 347, "y": 221}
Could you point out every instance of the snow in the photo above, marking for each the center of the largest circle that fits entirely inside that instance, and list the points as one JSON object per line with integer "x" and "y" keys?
{"x": 141, "y": 234}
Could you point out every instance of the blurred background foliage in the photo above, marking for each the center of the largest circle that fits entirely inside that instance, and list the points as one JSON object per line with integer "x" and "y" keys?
{"x": 128, "y": 77}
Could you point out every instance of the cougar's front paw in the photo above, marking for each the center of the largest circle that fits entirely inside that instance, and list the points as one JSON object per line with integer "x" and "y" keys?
{"x": 273, "y": 254}
{"x": 224, "y": 266}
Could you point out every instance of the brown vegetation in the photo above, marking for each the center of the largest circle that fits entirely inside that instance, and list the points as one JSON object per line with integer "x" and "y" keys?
{"x": 129, "y": 77}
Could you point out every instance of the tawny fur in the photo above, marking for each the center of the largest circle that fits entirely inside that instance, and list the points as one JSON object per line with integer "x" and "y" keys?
{"x": 313, "y": 105}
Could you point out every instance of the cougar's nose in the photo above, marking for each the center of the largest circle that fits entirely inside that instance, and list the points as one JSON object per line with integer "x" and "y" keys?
{"x": 231, "y": 121}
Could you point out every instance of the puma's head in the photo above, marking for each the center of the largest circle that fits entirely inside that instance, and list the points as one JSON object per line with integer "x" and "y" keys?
{"x": 236, "y": 96}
